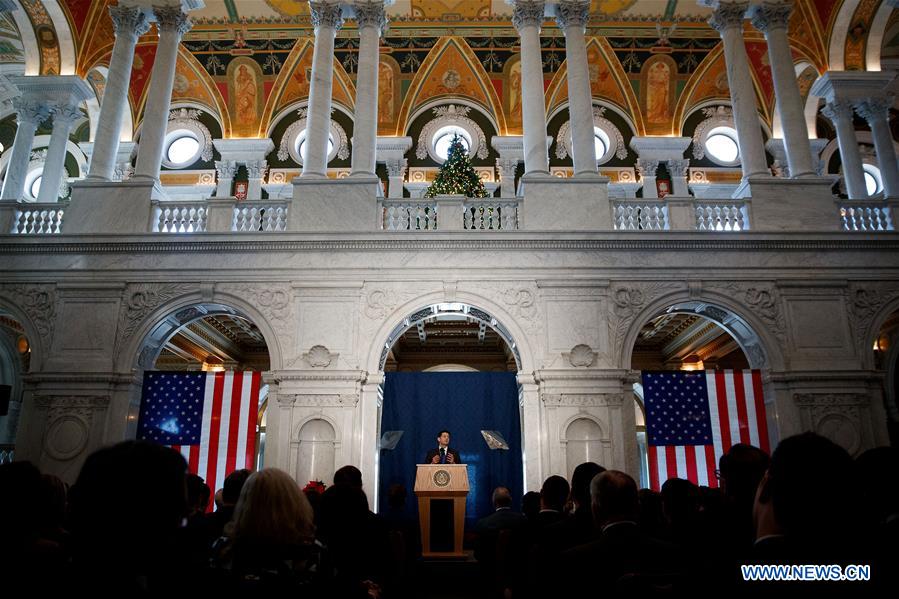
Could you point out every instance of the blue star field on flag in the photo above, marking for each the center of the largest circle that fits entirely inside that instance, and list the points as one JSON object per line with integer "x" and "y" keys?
{"x": 171, "y": 412}
{"x": 677, "y": 408}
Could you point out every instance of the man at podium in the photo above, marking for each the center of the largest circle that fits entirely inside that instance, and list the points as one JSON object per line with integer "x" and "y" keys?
{"x": 443, "y": 453}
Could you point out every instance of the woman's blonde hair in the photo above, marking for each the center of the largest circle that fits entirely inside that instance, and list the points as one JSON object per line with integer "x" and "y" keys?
{"x": 272, "y": 510}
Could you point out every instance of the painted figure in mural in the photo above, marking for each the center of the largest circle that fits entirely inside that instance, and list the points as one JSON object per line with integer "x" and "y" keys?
{"x": 245, "y": 95}
{"x": 515, "y": 91}
{"x": 657, "y": 86}
{"x": 386, "y": 93}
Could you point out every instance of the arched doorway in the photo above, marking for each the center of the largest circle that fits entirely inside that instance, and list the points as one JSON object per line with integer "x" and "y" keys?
{"x": 885, "y": 348}
{"x": 463, "y": 350}
{"x": 702, "y": 336}
{"x": 228, "y": 352}
{"x": 15, "y": 361}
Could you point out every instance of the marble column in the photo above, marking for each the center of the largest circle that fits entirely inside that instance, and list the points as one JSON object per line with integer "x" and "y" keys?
{"x": 256, "y": 170}
{"x": 572, "y": 18}
{"x": 225, "y": 171}
{"x": 371, "y": 20}
{"x": 327, "y": 19}
{"x": 877, "y": 112}
{"x": 129, "y": 24}
{"x": 64, "y": 116}
{"x": 171, "y": 23}
{"x": 528, "y": 19}
{"x": 396, "y": 174}
{"x": 647, "y": 170}
{"x": 507, "y": 168}
{"x": 840, "y": 112}
{"x": 771, "y": 19}
{"x": 678, "y": 171}
{"x": 728, "y": 20}
{"x": 29, "y": 115}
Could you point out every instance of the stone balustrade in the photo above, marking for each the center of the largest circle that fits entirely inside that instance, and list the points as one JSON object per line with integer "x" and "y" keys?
{"x": 727, "y": 215}
{"x": 866, "y": 216}
{"x": 33, "y": 218}
{"x": 490, "y": 214}
{"x": 636, "y": 215}
{"x": 179, "y": 217}
{"x": 408, "y": 215}
{"x": 260, "y": 215}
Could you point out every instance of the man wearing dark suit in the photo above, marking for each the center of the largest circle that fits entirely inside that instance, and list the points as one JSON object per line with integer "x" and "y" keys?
{"x": 622, "y": 557}
{"x": 497, "y": 547}
{"x": 443, "y": 453}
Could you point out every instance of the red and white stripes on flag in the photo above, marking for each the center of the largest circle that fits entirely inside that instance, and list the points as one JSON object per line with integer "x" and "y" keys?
{"x": 737, "y": 413}
{"x": 228, "y": 433}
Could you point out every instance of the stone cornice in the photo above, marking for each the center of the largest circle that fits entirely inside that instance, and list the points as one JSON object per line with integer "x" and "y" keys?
{"x": 212, "y": 243}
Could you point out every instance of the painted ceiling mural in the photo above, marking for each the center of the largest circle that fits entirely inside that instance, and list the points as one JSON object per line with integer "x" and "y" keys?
{"x": 248, "y": 61}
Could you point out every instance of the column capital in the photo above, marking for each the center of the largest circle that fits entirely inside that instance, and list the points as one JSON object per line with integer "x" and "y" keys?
{"x": 874, "y": 109}
{"x": 837, "y": 110}
{"x": 65, "y": 113}
{"x": 256, "y": 169}
{"x": 728, "y": 15}
{"x": 646, "y": 167}
{"x": 172, "y": 19}
{"x": 678, "y": 168}
{"x": 326, "y": 14}
{"x": 396, "y": 167}
{"x": 225, "y": 169}
{"x": 129, "y": 20}
{"x": 528, "y": 13}
{"x": 371, "y": 14}
{"x": 771, "y": 15}
{"x": 572, "y": 13}
{"x": 30, "y": 111}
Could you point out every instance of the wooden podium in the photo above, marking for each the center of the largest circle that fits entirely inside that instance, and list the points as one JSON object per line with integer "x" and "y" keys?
{"x": 441, "y": 491}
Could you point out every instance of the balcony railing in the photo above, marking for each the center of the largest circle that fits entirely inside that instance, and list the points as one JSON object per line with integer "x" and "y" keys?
{"x": 38, "y": 218}
{"x": 408, "y": 215}
{"x": 260, "y": 215}
{"x": 727, "y": 215}
{"x": 179, "y": 217}
{"x": 858, "y": 216}
{"x": 639, "y": 216}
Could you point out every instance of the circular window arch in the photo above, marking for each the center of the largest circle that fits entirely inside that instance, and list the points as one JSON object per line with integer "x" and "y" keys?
{"x": 721, "y": 146}
{"x": 187, "y": 140}
{"x": 33, "y": 183}
{"x": 182, "y": 148}
{"x": 300, "y": 146}
{"x": 607, "y": 138}
{"x": 293, "y": 142}
{"x": 443, "y": 139}
{"x": 873, "y": 180}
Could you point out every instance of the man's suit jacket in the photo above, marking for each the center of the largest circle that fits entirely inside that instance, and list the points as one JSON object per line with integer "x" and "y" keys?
{"x": 449, "y": 450}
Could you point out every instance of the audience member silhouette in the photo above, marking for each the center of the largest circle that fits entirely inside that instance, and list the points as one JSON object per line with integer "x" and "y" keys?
{"x": 740, "y": 471}
{"x": 271, "y": 540}
{"x": 126, "y": 509}
{"x": 578, "y": 529}
{"x": 230, "y": 492}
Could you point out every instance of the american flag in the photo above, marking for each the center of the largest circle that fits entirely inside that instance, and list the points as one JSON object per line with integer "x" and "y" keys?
{"x": 693, "y": 418}
{"x": 209, "y": 417}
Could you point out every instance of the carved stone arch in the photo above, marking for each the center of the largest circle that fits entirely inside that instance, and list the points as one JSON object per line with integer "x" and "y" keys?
{"x": 868, "y": 315}
{"x": 298, "y": 427}
{"x": 467, "y": 103}
{"x": 563, "y": 428}
{"x": 287, "y": 148}
{"x": 36, "y": 317}
{"x": 152, "y": 313}
{"x": 393, "y": 312}
{"x": 428, "y": 85}
{"x": 752, "y": 332}
{"x": 836, "y": 46}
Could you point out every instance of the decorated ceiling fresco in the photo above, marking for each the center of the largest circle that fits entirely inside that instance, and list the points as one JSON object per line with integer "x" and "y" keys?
{"x": 249, "y": 61}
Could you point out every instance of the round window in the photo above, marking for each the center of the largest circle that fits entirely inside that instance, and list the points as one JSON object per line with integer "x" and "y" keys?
{"x": 872, "y": 179}
{"x": 182, "y": 149}
{"x": 35, "y": 188}
{"x": 721, "y": 145}
{"x": 600, "y": 142}
{"x": 301, "y": 145}
{"x": 443, "y": 138}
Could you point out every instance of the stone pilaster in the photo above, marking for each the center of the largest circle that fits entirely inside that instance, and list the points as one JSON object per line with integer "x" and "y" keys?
{"x": 677, "y": 168}
{"x": 64, "y": 117}
{"x": 225, "y": 171}
{"x": 129, "y": 24}
{"x": 876, "y": 111}
{"x": 371, "y": 20}
{"x": 771, "y": 19}
{"x": 171, "y": 24}
{"x": 840, "y": 112}
{"x": 29, "y": 115}
{"x": 647, "y": 170}
{"x": 728, "y": 20}
{"x": 572, "y": 18}
{"x": 396, "y": 174}
{"x": 326, "y": 19}
{"x": 255, "y": 174}
{"x": 528, "y": 17}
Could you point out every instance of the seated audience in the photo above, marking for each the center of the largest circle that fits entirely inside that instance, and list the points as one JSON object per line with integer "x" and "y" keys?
{"x": 230, "y": 492}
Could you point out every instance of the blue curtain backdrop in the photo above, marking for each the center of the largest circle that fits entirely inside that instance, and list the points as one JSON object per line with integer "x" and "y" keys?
{"x": 423, "y": 403}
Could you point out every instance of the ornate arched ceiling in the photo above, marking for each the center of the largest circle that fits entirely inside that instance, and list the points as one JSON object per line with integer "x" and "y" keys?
{"x": 469, "y": 44}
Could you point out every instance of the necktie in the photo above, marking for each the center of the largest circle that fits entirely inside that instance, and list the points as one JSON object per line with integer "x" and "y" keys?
{"x": 443, "y": 455}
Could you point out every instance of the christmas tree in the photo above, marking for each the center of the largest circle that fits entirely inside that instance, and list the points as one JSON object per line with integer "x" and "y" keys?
{"x": 457, "y": 176}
